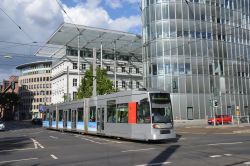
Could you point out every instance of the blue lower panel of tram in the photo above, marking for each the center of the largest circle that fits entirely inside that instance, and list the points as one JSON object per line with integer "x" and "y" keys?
{"x": 80, "y": 125}
{"x": 92, "y": 126}
{"x": 46, "y": 124}
{"x": 54, "y": 124}
{"x": 60, "y": 124}
{"x": 68, "y": 124}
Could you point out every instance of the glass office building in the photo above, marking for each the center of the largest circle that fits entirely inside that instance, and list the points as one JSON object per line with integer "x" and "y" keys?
{"x": 199, "y": 51}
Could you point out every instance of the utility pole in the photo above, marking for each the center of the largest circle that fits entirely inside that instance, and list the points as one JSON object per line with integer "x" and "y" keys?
{"x": 94, "y": 72}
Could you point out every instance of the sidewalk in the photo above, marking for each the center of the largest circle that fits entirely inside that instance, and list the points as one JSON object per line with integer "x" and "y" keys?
{"x": 202, "y": 123}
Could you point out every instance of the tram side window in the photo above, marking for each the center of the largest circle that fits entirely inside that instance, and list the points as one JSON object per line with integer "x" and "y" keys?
{"x": 92, "y": 114}
{"x": 143, "y": 111}
{"x": 122, "y": 113}
{"x": 111, "y": 111}
{"x": 60, "y": 117}
{"x": 46, "y": 115}
{"x": 80, "y": 114}
{"x": 54, "y": 115}
{"x": 69, "y": 115}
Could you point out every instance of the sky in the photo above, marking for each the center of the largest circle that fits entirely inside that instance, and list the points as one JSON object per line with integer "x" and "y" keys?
{"x": 25, "y": 25}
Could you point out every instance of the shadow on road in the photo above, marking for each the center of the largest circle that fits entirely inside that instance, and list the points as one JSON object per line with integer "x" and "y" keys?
{"x": 164, "y": 155}
{"x": 18, "y": 125}
{"x": 9, "y": 143}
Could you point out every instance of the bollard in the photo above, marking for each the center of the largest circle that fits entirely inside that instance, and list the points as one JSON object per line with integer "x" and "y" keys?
{"x": 232, "y": 120}
{"x": 238, "y": 119}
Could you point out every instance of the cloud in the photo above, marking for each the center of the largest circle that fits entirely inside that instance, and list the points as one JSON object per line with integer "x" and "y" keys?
{"x": 125, "y": 23}
{"x": 114, "y": 3}
{"x": 40, "y": 18}
{"x": 37, "y": 18}
{"x": 99, "y": 17}
{"x": 119, "y": 3}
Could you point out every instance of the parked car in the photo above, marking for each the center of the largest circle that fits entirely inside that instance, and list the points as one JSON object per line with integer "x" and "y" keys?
{"x": 2, "y": 125}
{"x": 219, "y": 118}
{"x": 245, "y": 119}
{"x": 37, "y": 121}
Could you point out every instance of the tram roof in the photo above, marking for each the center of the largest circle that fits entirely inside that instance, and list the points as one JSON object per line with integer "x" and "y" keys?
{"x": 90, "y": 37}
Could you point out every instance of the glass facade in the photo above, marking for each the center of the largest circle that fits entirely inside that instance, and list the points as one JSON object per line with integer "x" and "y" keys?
{"x": 199, "y": 51}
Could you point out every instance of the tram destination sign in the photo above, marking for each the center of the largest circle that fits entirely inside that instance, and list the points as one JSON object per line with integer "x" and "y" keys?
{"x": 160, "y": 97}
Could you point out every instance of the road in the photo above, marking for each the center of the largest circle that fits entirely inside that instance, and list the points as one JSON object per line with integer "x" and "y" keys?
{"x": 26, "y": 145}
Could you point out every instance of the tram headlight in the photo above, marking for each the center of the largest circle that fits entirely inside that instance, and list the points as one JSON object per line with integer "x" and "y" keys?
{"x": 156, "y": 126}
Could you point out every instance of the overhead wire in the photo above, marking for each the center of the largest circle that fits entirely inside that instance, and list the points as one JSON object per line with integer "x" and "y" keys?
{"x": 19, "y": 27}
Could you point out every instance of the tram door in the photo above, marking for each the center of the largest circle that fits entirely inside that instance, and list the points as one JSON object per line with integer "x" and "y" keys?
{"x": 50, "y": 119}
{"x": 73, "y": 124}
{"x": 65, "y": 119}
{"x": 100, "y": 119}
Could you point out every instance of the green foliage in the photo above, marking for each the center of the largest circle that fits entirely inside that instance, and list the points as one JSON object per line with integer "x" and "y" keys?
{"x": 103, "y": 84}
{"x": 9, "y": 99}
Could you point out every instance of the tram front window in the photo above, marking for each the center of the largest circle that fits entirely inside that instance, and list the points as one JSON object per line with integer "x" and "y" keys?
{"x": 143, "y": 111}
{"x": 162, "y": 115}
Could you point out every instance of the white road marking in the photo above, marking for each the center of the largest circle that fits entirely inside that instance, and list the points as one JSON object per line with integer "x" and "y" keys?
{"x": 183, "y": 138}
{"x": 118, "y": 142}
{"x": 137, "y": 150}
{"x": 10, "y": 161}
{"x": 36, "y": 143}
{"x": 228, "y": 155}
{"x": 54, "y": 157}
{"x": 183, "y": 132}
{"x": 247, "y": 163}
{"x": 164, "y": 163}
{"x": 93, "y": 141}
{"x": 229, "y": 143}
{"x": 36, "y": 132}
{"x": 16, "y": 150}
{"x": 53, "y": 137}
{"x": 215, "y": 156}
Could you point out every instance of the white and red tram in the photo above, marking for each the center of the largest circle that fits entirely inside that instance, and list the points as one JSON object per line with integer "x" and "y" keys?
{"x": 136, "y": 114}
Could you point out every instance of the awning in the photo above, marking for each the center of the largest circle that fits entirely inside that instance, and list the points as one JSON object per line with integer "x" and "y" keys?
{"x": 67, "y": 35}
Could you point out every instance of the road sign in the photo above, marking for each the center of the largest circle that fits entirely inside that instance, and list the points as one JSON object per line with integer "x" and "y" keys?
{"x": 41, "y": 108}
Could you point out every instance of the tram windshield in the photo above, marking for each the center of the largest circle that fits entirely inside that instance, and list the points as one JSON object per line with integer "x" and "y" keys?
{"x": 161, "y": 108}
{"x": 162, "y": 115}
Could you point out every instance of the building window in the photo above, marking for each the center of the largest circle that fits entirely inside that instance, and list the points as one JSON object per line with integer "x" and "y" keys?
{"x": 74, "y": 82}
{"x": 130, "y": 84}
{"x": 117, "y": 84}
{"x": 84, "y": 66}
{"x": 123, "y": 69}
{"x": 137, "y": 84}
{"x": 74, "y": 95}
{"x": 74, "y": 65}
{"x": 137, "y": 71}
{"x": 130, "y": 70}
{"x": 123, "y": 84}
{"x": 108, "y": 68}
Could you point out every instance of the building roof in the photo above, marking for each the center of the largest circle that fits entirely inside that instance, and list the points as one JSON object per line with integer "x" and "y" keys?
{"x": 33, "y": 64}
{"x": 90, "y": 37}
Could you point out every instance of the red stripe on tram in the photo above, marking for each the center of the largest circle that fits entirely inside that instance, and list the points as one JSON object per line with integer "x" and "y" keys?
{"x": 132, "y": 112}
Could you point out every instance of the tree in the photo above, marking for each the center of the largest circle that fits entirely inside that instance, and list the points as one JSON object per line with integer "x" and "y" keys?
{"x": 8, "y": 101}
{"x": 103, "y": 84}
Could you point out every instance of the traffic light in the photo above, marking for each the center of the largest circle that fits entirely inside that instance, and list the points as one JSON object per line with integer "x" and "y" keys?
{"x": 13, "y": 84}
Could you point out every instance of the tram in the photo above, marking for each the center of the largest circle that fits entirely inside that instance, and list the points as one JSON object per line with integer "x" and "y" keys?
{"x": 135, "y": 114}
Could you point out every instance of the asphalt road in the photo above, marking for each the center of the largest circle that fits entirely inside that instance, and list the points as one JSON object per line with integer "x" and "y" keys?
{"x": 26, "y": 145}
